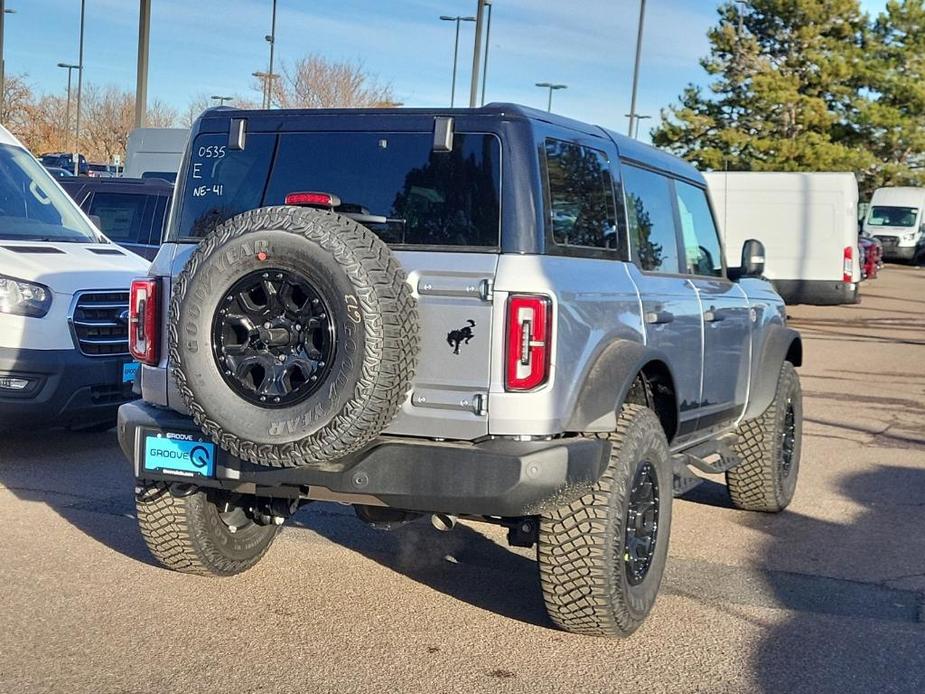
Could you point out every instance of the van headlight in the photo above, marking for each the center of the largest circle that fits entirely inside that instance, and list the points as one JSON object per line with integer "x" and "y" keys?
{"x": 24, "y": 298}
{"x": 910, "y": 236}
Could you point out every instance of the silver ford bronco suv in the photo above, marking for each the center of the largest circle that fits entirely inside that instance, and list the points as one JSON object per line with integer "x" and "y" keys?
{"x": 494, "y": 314}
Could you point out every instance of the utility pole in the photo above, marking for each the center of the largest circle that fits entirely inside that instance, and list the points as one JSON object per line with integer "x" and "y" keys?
{"x": 80, "y": 80}
{"x": 476, "y": 54}
{"x": 3, "y": 12}
{"x": 271, "y": 39}
{"x": 632, "y": 114}
{"x": 67, "y": 114}
{"x": 487, "y": 43}
{"x": 551, "y": 87}
{"x": 141, "y": 80}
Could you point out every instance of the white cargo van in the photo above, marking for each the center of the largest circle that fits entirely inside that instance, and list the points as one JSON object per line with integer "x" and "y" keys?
{"x": 895, "y": 217}
{"x": 155, "y": 152}
{"x": 807, "y": 223}
{"x": 64, "y": 291}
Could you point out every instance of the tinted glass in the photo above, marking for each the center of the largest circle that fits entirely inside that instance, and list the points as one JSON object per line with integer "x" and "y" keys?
{"x": 120, "y": 215}
{"x": 701, "y": 242}
{"x": 32, "y": 207}
{"x": 406, "y": 192}
{"x": 582, "y": 207}
{"x": 884, "y": 216}
{"x": 650, "y": 218}
{"x": 221, "y": 183}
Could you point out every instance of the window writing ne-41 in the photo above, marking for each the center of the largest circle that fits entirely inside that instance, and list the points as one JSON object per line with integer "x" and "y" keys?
{"x": 216, "y": 189}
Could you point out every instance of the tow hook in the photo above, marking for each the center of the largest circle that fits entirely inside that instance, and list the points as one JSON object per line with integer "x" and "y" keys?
{"x": 274, "y": 511}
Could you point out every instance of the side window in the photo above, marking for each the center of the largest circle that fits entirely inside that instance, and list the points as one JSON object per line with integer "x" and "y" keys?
{"x": 650, "y": 219}
{"x": 120, "y": 215}
{"x": 701, "y": 243}
{"x": 582, "y": 206}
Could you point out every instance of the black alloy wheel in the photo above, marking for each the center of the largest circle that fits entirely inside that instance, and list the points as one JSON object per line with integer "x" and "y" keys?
{"x": 641, "y": 524}
{"x": 273, "y": 338}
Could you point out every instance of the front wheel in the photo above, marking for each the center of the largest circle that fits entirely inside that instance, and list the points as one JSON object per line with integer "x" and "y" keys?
{"x": 208, "y": 533}
{"x": 770, "y": 447}
{"x": 601, "y": 558}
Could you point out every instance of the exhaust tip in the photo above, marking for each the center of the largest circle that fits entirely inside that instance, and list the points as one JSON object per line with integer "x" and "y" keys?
{"x": 443, "y": 522}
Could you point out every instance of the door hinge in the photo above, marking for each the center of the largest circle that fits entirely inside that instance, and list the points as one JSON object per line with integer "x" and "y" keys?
{"x": 486, "y": 290}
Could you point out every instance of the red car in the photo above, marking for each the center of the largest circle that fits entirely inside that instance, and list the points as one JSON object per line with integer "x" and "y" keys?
{"x": 871, "y": 257}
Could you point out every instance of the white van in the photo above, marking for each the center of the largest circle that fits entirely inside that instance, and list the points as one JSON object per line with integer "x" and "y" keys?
{"x": 896, "y": 216}
{"x": 64, "y": 291}
{"x": 155, "y": 152}
{"x": 808, "y": 223}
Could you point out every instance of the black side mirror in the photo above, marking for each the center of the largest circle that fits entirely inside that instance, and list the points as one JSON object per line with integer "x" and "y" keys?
{"x": 752, "y": 258}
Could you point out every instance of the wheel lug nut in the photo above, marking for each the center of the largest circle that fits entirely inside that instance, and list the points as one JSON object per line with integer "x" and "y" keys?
{"x": 263, "y": 398}
{"x": 229, "y": 298}
{"x": 320, "y": 364}
{"x": 298, "y": 326}
{"x": 322, "y": 316}
{"x": 267, "y": 325}
{"x": 314, "y": 378}
{"x": 276, "y": 399}
{"x": 279, "y": 275}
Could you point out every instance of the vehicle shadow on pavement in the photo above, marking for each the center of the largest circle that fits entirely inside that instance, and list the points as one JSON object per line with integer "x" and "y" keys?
{"x": 462, "y": 563}
{"x": 83, "y": 477}
{"x": 863, "y": 631}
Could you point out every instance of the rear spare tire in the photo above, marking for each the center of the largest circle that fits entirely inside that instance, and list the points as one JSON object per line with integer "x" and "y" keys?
{"x": 292, "y": 336}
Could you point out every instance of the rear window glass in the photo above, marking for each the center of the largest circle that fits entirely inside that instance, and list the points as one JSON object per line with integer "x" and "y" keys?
{"x": 393, "y": 183}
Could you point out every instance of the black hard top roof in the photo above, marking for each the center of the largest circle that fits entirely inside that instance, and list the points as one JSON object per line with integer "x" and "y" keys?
{"x": 142, "y": 185}
{"x": 628, "y": 148}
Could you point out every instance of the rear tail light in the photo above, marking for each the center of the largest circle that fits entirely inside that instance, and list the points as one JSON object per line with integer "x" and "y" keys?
{"x": 529, "y": 341}
{"x": 142, "y": 321}
{"x": 312, "y": 200}
{"x": 848, "y": 265}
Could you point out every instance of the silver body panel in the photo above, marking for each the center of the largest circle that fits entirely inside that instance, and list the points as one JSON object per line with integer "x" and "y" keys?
{"x": 595, "y": 303}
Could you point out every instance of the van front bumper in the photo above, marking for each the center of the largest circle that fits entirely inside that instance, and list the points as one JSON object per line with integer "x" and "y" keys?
{"x": 499, "y": 477}
{"x": 63, "y": 387}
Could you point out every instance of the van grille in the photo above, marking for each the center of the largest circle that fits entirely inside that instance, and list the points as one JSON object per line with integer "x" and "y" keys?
{"x": 888, "y": 241}
{"x": 100, "y": 323}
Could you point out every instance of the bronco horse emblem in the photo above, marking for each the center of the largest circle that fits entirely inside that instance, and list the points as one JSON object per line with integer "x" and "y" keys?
{"x": 455, "y": 338}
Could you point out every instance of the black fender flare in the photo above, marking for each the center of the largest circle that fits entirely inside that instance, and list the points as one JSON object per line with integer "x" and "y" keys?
{"x": 782, "y": 342}
{"x": 607, "y": 383}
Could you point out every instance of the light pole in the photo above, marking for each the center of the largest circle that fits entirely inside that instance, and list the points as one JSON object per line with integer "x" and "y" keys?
{"x": 551, "y": 87}
{"x": 67, "y": 117}
{"x": 3, "y": 11}
{"x": 265, "y": 78}
{"x": 222, "y": 99}
{"x": 141, "y": 75}
{"x": 271, "y": 39}
{"x": 447, "y": 18}
{"x": 636, "y": 120}
{"x": 80, "y": 80}
{"x": 477, "y": 52}
{"x": 487, "y": 42}
{"x": 632, "y": 113}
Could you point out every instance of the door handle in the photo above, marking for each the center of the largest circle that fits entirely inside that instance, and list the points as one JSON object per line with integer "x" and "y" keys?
{"x": 659, "y": 317}
{"x": 712, "y": 316}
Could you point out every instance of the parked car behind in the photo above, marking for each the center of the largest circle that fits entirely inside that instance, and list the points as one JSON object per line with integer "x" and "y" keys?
{"x": 104, "y": 170}
{"x": 64, "y": 292}
{"x": 808, "y": 224}
{"x": 59, "y": 172}
{"x": 131, "y": 211}
{"x": 65, "y": 160}
{"x": 871, "y": 256}
{"x": 897, "y": 218}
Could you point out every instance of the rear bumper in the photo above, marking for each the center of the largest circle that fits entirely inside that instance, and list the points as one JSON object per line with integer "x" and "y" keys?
{"x": 64, "y": 388}
{"x": 499, "y": 477}
{"x": 816, "y": 292}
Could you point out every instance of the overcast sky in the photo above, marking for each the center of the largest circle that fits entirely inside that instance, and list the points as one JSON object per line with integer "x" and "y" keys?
{"x": 213, "y": 46}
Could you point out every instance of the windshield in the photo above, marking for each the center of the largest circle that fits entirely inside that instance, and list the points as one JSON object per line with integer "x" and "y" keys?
{"x": 882, "y": 216}
{"x": 32, "y": 207}
{"x": 393, "y": 183}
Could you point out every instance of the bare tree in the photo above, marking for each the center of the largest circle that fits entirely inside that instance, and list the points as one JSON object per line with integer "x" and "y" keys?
{"x": 316, "y": 82}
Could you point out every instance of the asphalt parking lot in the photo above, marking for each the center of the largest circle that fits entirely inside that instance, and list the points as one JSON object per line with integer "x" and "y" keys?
{"x": 827, "y": 597}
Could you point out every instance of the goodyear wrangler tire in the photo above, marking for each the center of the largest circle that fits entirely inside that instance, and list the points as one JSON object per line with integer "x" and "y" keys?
{"x": 293, "y": 335}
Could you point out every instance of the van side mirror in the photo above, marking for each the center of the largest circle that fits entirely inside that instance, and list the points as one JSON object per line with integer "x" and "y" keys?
{"x": 752, "y": 258}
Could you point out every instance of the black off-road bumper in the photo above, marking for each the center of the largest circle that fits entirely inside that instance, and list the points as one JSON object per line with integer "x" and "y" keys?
{"x": 64, "y": 388}
{"x": 499, "y": 477}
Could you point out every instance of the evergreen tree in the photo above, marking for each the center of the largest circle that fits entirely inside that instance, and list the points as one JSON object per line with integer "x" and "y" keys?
{"x": 786, "y": 94}
{"x": 893, "y": 123}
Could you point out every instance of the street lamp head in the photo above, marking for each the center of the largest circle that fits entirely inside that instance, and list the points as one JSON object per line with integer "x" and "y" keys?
{"x": 268, "y": 38}
{"x": 10, "y": 11}
{"x": 69, "y": 66}
{"x": 543, "y": 84}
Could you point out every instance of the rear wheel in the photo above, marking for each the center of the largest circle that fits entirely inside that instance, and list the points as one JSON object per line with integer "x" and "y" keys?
{"x": 770, "y": 447}
{"x": 601, "y": 558}
{"x": 209, "y": 533}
